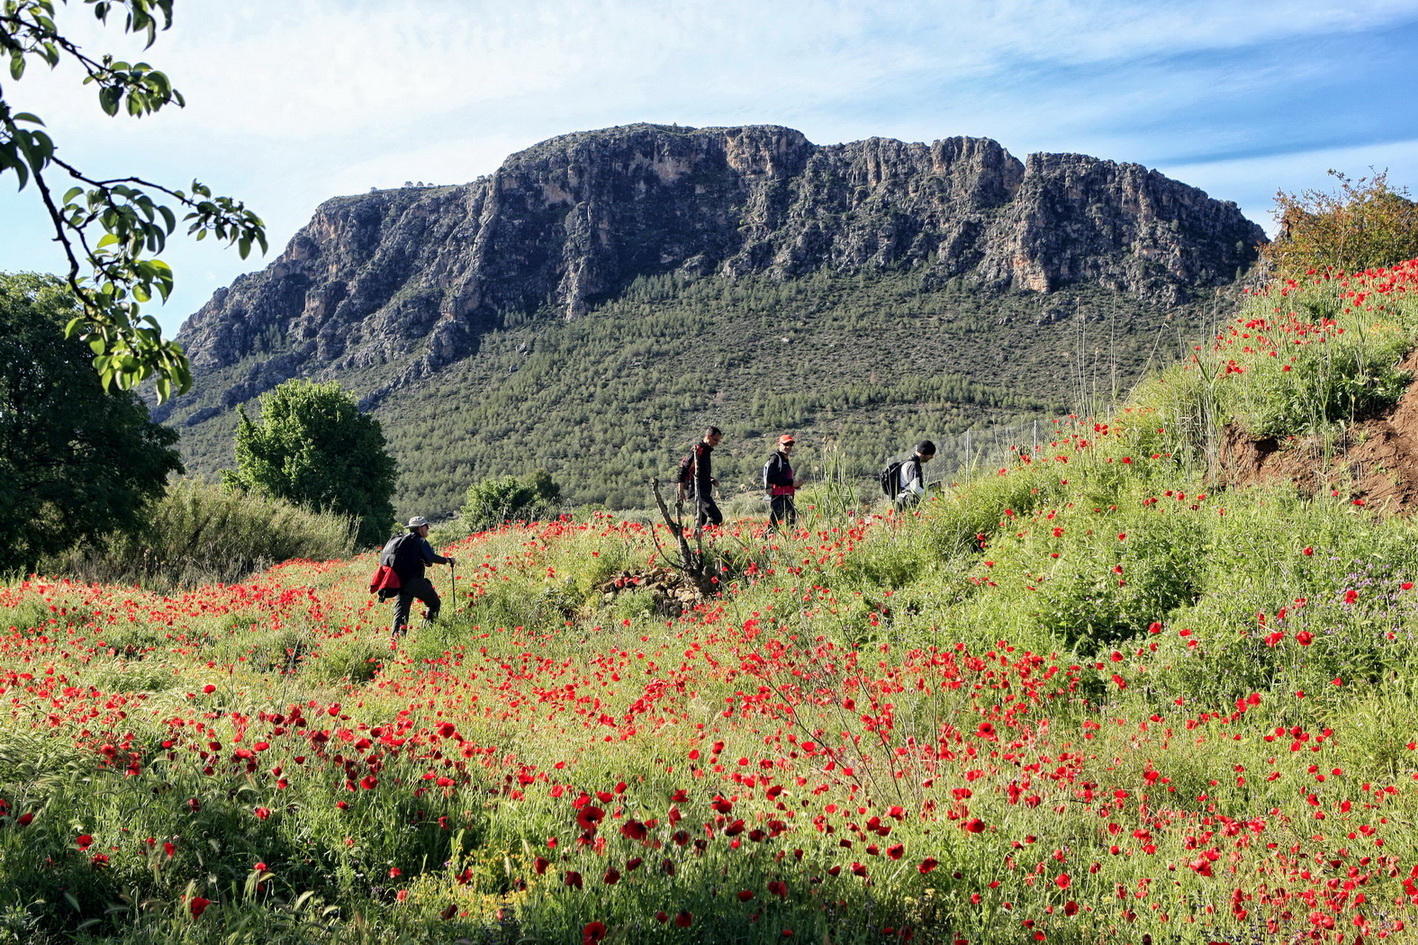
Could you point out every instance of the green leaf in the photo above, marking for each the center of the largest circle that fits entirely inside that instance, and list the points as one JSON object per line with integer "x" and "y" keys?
{"x": 108, "y": 98}
{"x": 21, "y": 171}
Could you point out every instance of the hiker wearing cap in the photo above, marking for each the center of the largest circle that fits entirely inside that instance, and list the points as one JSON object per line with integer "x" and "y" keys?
{"x": 409, "y": 554}
{"x": 912, "y": 483}
{"x": 696, "y": 479}
{"x": 782, "y": 484}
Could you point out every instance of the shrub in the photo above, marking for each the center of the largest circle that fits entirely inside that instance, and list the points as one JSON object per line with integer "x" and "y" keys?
{"x": 492, "y": 502}
{"x": 198, "y": 533}
{"x": 1364, "y": 225}
{"x": 314, "y": 446}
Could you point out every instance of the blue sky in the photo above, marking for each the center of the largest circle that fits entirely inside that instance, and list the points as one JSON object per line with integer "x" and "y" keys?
{"x": 291, "y": 102}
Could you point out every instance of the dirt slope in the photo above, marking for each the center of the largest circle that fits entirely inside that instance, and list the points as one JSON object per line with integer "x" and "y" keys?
{"x": 1375, "y": 463}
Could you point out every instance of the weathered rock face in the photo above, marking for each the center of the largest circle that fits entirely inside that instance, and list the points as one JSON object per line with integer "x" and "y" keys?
{"x": 416, "y": 276}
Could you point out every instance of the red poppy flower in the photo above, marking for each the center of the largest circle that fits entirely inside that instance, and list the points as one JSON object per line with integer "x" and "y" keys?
{"x": 593, "y": 932}
{"x": 198, "y": 905}
{"x": 928, "y": 864}
{"x": 589, "y": 817}
{"x": 84, "y": 841}
{"x": 684, "y": 920}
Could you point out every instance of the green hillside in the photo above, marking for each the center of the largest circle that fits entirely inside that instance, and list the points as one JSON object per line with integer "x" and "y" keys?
{"x": 857, "y": 367}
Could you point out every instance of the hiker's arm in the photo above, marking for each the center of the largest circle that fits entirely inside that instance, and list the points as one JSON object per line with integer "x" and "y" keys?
{"x": 433, "y": 557}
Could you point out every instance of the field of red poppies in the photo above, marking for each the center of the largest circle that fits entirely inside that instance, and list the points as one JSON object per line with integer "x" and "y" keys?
{"x": 1091, "y": 696}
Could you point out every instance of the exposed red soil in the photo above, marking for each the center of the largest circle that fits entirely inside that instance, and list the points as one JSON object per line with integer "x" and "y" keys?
{"x": 1375, "y": 463}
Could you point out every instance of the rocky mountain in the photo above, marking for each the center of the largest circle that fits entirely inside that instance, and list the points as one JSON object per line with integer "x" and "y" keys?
{"x": 388, "y": 289}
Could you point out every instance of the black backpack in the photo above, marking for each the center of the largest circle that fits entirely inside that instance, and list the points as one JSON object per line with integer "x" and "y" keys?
{"x": 403, "y": 554}
{"x": 891, "y": 478}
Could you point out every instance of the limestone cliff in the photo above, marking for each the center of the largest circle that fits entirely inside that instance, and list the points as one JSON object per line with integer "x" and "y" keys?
{"x": 413, "y": 278}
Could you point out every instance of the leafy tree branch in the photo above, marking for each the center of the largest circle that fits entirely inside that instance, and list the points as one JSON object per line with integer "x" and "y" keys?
{"x": 116, "y": 227}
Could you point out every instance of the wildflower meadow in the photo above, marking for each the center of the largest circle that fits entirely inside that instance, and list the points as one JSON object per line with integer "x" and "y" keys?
{"x": 1096, "y": 694}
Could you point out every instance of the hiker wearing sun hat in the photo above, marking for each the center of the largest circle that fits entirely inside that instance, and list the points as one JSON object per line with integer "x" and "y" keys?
{"x": 409, "y": 554}
{"x": 781, "y": 484}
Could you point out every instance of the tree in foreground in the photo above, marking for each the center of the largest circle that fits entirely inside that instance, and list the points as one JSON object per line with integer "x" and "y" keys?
{"x": 113, "y": 226}
{"x": 314, "y": 447}
{"x": 1365, "y": 225}
{"x": 76, "y": 460}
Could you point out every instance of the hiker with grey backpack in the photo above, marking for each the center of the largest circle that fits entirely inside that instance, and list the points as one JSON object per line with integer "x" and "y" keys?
{"x": 904, "y": 482}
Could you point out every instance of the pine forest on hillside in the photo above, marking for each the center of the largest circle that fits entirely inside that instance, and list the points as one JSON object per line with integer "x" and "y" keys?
{"x": 857, "y": 367}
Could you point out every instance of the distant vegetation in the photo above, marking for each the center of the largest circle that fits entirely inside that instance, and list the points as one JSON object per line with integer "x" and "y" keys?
{"x": 491, "y": 502}
{"x": 200, "y": 533}
{"x": 858, "y": 368}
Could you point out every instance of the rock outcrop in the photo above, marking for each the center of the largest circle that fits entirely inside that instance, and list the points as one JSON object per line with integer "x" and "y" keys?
{"x": 416, "y": 276}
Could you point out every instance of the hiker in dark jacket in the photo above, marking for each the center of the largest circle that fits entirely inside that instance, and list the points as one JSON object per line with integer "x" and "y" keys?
{"x": 912, "y": 487}
{"x": 409, "y": 554}
{"x": 696, "y": 480}
{"x": 782, "y": 484}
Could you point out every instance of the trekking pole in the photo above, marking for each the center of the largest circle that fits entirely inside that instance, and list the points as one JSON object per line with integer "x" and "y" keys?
{"x": 453, "y": 586}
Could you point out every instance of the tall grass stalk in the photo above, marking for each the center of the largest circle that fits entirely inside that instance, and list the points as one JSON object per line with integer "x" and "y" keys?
{"x": 199, "y": 533}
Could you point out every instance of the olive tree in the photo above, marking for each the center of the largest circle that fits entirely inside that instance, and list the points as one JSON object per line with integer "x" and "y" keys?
{"x": 313, "y": 446}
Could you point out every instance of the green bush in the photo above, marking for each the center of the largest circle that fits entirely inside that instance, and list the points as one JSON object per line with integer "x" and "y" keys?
{"x": 199, "y": 533}
{"x": 313, "y": 446}
{"x": 492, "y": 502}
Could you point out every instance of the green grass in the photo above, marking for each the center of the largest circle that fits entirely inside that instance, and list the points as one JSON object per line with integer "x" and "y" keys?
{"x": 1086, "y": 695}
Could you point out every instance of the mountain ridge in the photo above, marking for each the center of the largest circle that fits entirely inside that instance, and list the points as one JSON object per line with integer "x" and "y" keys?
{"x": 389, "y": 289}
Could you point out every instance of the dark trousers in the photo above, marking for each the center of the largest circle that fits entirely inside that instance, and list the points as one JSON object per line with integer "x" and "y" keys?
{"x": 707, "y": 512}
{"x": 421, "y": 588}
{"x": 784, "y": 512}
